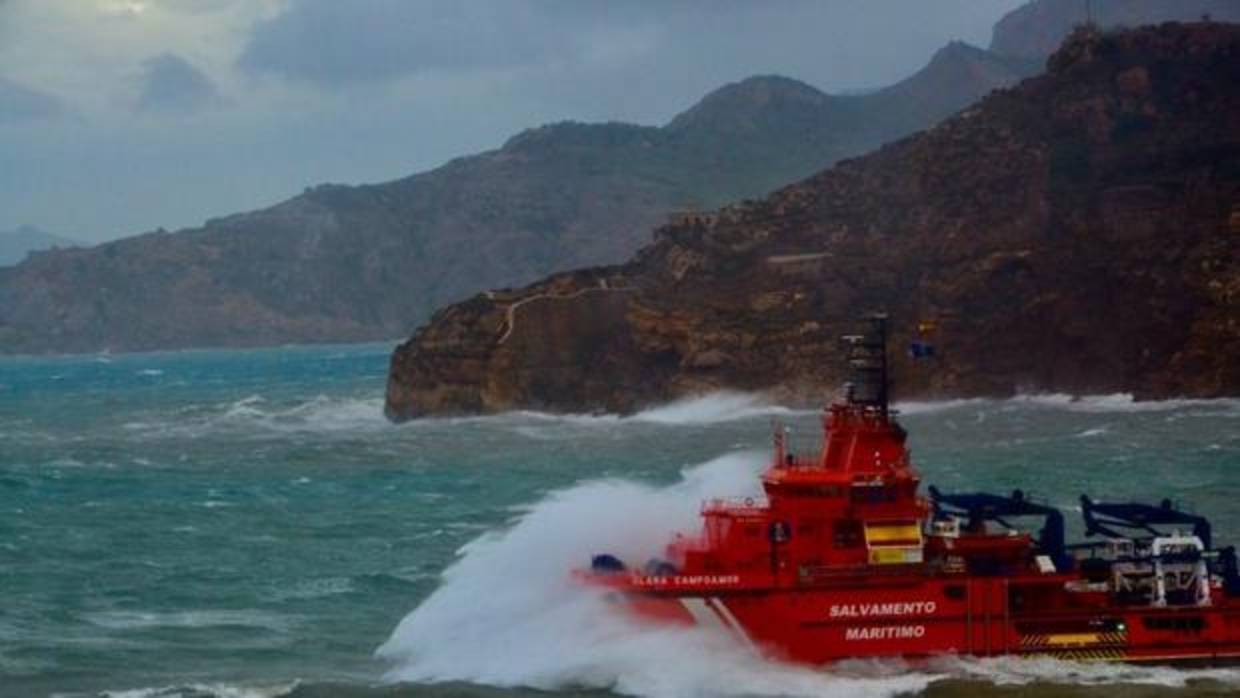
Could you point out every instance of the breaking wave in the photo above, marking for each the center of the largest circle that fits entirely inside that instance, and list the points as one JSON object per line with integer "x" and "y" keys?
{"x": 360, "y": 414}
{"x": 716, "y": 407}
{"x": 206, "y": 690}
{"x": 728, "y": 406}
{"x": 143, "y": 620}
{"x": 911, "y": 407}
{"x": 711, "y": 408}
{"x": 257, "y": 415}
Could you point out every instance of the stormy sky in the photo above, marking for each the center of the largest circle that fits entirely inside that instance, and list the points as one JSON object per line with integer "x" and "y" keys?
{"x": 121, "y": 116}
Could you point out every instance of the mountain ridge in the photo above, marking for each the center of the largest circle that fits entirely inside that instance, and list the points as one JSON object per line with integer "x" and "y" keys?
{"x": 340, "y": 263}
{"x": 16, "y": 244}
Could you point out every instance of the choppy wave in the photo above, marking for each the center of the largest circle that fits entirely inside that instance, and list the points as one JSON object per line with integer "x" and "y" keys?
{"x": 207, "y": 690}
{"x": 314, "y": 589}
{"x": 713, "y": 408}
{"x": 710, "y": 408}
{"x": 1007, "y": 671}
{"x": 318, "y": 414}
{"x": 728, "y": 406}
{"x": 322, "y": 414}
{"x": 910, "y": 407}
{"x": 256, "y": 415}
{"x": 1119, "y": 402}
{"x": 1099, "y": 404}
{"x": 507, "y": 613}
{"x": 143, "y": 620}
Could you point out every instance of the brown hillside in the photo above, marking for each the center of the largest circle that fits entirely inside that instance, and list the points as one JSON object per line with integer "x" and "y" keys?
{"x": 1075, "y": 233}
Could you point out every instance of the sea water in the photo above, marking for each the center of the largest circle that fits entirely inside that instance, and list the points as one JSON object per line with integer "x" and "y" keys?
{"x": 246, "y": 523}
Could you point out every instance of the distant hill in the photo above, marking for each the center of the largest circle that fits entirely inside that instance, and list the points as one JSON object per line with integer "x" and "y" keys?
{"x": 1076, "y": 234}
{"x": 344, "y": 263}
{"x": 16, "y": 244}
{"x": 1035, "y": 29}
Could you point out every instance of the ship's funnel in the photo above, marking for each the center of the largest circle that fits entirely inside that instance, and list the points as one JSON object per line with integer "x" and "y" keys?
{"x": 866, "y": 355}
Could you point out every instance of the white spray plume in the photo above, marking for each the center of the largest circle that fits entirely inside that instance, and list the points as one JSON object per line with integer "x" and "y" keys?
{"x": 509, "y": 613}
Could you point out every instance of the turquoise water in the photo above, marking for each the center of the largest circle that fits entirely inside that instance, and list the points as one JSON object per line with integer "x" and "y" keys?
{"x": 247, "y": 523}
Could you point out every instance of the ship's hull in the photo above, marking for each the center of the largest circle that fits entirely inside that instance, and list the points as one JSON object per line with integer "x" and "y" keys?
{"x": 976, "y": 616}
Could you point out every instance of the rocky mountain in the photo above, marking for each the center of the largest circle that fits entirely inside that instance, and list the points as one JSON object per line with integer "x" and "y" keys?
{"x": 1034, "y": 30}
{"x": 351, "y": 263}
{"x": 1076, "y": 233}
{"x": 16, "y": 244}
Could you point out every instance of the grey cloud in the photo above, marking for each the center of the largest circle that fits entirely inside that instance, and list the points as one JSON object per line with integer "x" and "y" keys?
{"x": 19, "y": 103}
{"x": 170, "y": 84}
{"x": 332, "y": 42}
{"x": 853, "y": 42}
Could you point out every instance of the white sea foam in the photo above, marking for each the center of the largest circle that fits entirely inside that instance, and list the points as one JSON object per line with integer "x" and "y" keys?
{"x": 711, "y": 408}
{"x": 910, "y": 407}
{"x": 1118, "y": 402}
{"x": 245, "y": 408}
{"x": 215, "y": 690}
{"x": 140, "y": 620}
{"x": 332, "y": 414}
{"x": 314, "y": 589}
{"x": 508, "y": 613}
{"x": 256, "y": 415}
{"x": 1021, "y": 670}
{"x": 728, "y": 406}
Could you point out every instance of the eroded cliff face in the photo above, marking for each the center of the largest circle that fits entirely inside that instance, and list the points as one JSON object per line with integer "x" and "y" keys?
{"x": 1076, "y": 234}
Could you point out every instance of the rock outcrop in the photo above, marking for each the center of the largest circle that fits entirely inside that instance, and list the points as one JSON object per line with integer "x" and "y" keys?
{"x": 1075, "y": 233}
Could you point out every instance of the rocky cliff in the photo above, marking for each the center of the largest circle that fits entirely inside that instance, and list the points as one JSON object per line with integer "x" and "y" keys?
{"x": 1076, "y": 233}
{"x": 345, "y": 263}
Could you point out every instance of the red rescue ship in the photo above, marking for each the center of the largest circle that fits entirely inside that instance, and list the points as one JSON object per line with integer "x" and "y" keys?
{"x": 843, "y": 558}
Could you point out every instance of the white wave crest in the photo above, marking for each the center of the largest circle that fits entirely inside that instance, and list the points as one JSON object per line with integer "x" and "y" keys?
{"x": 726, "y": 406}
{"x": 142, "y": 620}
{"x": 1119, "y": 402}
{"x": 214, "y": 690}
{"x": 713, "y": 408}
{"x": 325, "y": 414}
{"x": 257, "y": 416}
{"x": 911, "y": 407}
{"x": 710, "y": 408}
{"x": 1026, "y": 670}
